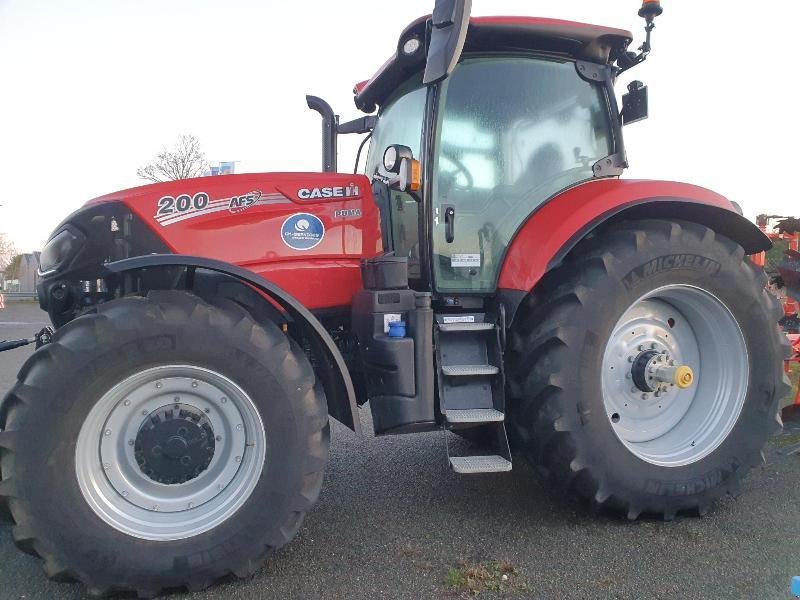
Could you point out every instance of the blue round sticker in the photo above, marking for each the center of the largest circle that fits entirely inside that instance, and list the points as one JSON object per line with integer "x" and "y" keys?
{"x": 302, "y": 231}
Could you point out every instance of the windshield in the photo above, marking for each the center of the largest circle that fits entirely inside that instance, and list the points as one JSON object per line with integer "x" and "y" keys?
{"x": 400, "y": 122}
{"x": 511, "y": 133}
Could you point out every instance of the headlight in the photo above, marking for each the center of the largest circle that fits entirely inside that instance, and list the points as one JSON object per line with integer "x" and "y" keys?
{"x": 60, "y": 249}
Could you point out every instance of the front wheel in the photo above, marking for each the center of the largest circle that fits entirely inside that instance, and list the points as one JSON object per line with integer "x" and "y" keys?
{"x": 646, "y": 372}
{"x": 160, "y": 443}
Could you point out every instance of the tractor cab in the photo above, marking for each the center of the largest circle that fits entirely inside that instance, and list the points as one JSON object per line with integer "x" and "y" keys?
{"x": 506, "y": 132}
{"x": 493, "y": 116}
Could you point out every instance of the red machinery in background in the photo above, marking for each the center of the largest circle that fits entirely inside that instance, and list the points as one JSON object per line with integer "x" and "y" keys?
{"x": 782, "y": 276}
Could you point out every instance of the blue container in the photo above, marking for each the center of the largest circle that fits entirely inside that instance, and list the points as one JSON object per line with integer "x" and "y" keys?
{"x": 397, "y": 329}
{"x": 796, "y": 586}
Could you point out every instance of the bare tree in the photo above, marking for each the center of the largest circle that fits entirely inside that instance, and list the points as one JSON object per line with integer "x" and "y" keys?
{"x": 7, "y": 251}
{"x": 14, "y": 267}
{"x": 182, "y": 161}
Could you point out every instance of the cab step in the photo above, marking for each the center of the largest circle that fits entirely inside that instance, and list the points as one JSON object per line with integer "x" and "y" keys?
{"x": 479, "y": 464}
{"x": 474, "y": 415}
{"x": 469, "y": 357}
{"x": 469, "y": 370}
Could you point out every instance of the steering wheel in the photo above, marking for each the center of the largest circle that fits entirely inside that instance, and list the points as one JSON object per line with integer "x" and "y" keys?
{"x": 461, "y": 169}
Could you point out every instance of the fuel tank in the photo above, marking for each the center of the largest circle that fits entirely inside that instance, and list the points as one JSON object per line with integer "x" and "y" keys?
{"x": 306, "y": 232}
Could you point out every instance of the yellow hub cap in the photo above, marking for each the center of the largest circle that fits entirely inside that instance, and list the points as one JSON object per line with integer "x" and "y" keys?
{"x": 684, "y": 377}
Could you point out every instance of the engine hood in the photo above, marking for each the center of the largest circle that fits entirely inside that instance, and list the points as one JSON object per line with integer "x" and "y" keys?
{"x": 307, "y": 232}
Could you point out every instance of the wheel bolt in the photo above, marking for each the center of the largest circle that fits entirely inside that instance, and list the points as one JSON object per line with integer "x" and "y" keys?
{"x": 127, "y": 403}
{"x": 238, "y": 459}
{"x": 644, "y": 396}
{"x": 218, "y": 438}
{"x": 158, "y": 384}
{"x": 194, "y": 384}
{"x": 131, "y": 442}
{"x": 224, "y": 400}
{"x": 239, "y": 427}
{"x": 640, "y": 348}
{"x": 108, "y": 432}
{"x": 124, "y": 493}
{"x": 191, "y": 504}
{"x": 653, "y": 346}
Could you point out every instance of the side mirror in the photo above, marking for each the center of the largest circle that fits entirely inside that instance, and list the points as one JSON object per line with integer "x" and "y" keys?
{"x": 399, "y": 159}
{"x": 448, "y": 32}
{"x": 634, "y": 103}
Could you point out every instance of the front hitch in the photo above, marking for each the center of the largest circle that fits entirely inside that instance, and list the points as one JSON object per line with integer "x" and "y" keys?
{"x": 45, "y": 336}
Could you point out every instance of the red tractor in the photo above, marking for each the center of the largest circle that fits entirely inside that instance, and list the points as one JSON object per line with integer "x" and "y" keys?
{"x": 489, "y": 275}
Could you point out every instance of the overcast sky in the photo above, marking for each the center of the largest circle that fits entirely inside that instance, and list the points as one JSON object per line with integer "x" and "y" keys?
{"x": 91, "y": 89}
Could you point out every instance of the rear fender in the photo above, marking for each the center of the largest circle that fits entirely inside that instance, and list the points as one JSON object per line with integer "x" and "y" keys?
{"x": 556, "y": 228}
{"x": 330, "y": 367}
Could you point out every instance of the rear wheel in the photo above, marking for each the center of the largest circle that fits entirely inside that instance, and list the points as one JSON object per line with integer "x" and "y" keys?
{"x": 162, "y": 443}
{"x": 646, "y": 371}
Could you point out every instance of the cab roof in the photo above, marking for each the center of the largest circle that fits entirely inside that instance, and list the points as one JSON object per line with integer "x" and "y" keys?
{"x": 580, "y": 41}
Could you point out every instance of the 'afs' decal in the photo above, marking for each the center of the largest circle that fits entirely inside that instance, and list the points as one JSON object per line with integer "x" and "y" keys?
{"x": 175, "y": 209}
{"x": 241, "y": 203}
{"x": 669, "y": 263}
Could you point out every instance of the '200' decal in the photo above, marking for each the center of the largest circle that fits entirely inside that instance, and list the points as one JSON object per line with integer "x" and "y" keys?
{"x": 169, "y": 205}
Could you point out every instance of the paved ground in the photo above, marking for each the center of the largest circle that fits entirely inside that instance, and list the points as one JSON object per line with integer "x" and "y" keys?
{"x": 394, "y": 522}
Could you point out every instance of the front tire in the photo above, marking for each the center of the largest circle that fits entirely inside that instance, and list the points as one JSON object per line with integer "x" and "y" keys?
{"x": 591, "y": 348}
{"x": 161, "y": 443}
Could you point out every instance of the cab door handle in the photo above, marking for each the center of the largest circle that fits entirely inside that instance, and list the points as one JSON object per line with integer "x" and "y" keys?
{"x": 449, "y": 224}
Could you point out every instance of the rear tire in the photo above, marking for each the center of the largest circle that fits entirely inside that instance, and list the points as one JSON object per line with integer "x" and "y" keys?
{"x": 567, "y": 340}
{"x": 66, "y": 498}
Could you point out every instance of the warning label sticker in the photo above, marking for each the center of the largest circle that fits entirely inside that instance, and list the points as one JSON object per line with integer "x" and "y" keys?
{"x": 465, "y": 260}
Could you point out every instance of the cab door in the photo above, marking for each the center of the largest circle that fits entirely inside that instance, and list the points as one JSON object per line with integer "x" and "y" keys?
{"x": 511, "y": 132}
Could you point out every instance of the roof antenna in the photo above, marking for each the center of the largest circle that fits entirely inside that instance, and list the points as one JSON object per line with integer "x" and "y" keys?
{"x": 649, "y": 11}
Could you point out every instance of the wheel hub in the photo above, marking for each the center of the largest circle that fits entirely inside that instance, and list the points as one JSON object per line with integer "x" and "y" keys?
{"x": 174, "y": 444}
{"x": 640, "y": 369}
{"x": 654, "y": 371}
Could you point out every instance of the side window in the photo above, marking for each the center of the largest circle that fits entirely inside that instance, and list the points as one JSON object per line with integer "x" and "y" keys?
{"x": 400, "y": 122}
{"x": 512, "y": 132}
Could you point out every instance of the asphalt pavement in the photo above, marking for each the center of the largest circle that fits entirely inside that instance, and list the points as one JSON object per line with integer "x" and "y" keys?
{"x": 394, "y": 522}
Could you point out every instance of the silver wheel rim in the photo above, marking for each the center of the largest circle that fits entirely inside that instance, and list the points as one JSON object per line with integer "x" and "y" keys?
{"x": 124, "y": 496}
{"x": 684, "y": 325}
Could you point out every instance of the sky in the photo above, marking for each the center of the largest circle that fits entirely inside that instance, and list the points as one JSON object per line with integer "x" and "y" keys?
{"x": 92, "y": 89}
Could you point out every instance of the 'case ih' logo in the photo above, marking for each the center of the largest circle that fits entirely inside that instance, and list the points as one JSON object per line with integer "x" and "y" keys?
{"x": 340, "y": 191}
{"x": 239, "y": 204}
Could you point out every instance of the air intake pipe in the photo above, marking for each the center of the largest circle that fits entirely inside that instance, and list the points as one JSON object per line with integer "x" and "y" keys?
{"x": 330, "y": 123}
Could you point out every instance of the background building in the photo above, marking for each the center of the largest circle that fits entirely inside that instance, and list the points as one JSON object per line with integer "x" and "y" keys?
{"x": 22, "y": 274}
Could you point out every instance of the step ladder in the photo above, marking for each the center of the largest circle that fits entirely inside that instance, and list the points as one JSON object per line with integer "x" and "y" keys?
{"x": 471, "y": 386}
